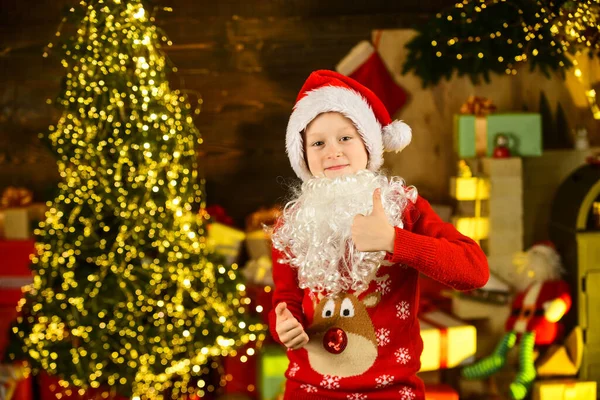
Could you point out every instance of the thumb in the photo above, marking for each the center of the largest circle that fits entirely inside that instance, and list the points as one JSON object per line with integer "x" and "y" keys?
{"x": 281, "y": 311}
{"x": 377, "y": 204}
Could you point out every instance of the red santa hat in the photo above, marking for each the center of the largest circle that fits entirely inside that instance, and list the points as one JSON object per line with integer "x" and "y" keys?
{"x": 328, "y": 91}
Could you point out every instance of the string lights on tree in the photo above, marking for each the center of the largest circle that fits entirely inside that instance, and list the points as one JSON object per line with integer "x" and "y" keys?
{"x": 480, "y": 37}
{"x": 127, "y": 294}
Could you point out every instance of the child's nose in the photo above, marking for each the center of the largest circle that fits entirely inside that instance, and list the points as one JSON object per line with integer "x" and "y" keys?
{"x": 334, "y": 151}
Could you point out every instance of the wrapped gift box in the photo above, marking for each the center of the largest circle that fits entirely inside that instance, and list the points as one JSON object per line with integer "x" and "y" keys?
{"x": 562, "y": 359}
{"x": 272, "y": 366}
{"x": 447, "y": 342}
{"x": 14, "y": 274}
{"x": 226, "y": 240}
{"x": 474, "y": 135}
{"x": 567, "y": 389}
{"x": 259, "y": 271}
{"x": 15, "y": 382}
{"x": 472, "y": 188}
{"x": 523, "y": 129}
{"x": 15, "y": 257}
{"x": 16, "y": 223}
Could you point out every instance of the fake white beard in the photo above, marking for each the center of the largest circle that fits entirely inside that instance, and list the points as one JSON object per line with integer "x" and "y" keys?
{"x": 315, "y": 236}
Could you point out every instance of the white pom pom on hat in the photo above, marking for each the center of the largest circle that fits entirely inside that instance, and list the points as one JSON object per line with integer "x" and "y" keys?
{"x": 329, "y": 91}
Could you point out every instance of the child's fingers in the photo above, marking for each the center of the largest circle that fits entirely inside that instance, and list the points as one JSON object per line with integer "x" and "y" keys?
{"x": 290, "y": 332}
{"x": 282, "y": 312}
{"x": 298, "y": 342}
{"x": 280, "y": 308}
{"x": 286, "y": 326}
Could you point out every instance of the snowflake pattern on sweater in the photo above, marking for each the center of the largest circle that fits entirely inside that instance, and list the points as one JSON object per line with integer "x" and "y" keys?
{"x": 357, "y": 396}
{"x": 407, "y": 393}
{"x": 403, "y": 310}
{"x": 383, "y": 336}
{"x": 402, "y": 355}
{"x": 330, "y": 382}
{"x": 383, "y": 381}
{"x": 384, "y": 286}
{"x": 294, "y": 367}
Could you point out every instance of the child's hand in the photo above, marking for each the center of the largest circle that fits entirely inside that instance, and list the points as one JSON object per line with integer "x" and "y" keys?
{"x": 373, "y": 232}
{"x": 290, "y": 331}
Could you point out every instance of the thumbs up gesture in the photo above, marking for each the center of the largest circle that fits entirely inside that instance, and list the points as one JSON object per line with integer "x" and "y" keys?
{"x": 290, "y": 331}
{"x": 373, "y": 232}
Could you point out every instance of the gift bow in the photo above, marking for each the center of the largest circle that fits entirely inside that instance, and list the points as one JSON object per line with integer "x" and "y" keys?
{"x": 478, "y": 106}
{"x": 256, "y": 220}
{"x": 217, "y": 214}
{"x": 15, "y": 197}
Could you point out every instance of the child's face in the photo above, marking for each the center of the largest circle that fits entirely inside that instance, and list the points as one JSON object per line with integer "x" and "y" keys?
{"x": 334, "y": 147}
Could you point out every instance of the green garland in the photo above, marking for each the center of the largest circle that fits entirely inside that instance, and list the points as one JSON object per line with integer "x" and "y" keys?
{"x": 480, "y": 37}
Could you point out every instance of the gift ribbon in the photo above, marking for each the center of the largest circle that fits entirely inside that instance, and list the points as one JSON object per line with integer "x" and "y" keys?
{"x": 478, "y": 106}
{"x": 258, "y": 219}
{"x": 443, "y": 340}
{"x": 570, "y": 391}
{"x": 16, "y": 197}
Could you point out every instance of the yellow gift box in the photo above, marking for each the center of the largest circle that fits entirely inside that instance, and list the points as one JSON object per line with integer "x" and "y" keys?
{"x": 567, "y": 389}
{"x": 226, "y": 240}
{"x": 469, "y": 188}
{"x": 447, "y": 341}
{"x": 16, "y": 222}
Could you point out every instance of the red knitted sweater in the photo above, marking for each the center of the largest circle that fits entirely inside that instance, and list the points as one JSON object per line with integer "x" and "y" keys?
{"x": 380, "y": 328}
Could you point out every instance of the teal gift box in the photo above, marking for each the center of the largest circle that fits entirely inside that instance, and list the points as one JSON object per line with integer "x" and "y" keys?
{"x": 474, "y": 136}
{"x": 273, "y": 364}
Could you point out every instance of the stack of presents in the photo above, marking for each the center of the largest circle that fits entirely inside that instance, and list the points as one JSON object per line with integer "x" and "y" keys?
{"x": 19, "y": 215}
{"x": 488, "y": 191}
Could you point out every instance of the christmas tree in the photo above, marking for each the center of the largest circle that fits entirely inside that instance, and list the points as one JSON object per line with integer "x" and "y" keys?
{"x": 127, "y": 293}
{"x": 480, "y": 37}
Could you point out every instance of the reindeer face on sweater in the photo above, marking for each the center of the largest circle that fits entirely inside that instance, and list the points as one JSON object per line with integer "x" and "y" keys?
{"x": 342, "y": 338}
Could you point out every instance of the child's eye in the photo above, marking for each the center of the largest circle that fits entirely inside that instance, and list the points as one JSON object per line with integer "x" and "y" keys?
{"x": 316, "y": 144}
{"x": 346, "y": 138}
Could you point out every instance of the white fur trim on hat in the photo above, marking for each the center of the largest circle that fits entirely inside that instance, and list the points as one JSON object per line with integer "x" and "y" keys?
{"x": 333, "y": 99}
{"x": 396, "y": 136}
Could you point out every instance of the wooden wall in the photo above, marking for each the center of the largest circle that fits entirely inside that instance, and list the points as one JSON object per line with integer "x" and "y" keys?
{"x": 247, "y": 60}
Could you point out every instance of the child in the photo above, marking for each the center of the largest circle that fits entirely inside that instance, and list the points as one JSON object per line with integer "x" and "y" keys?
{"x": 348, "y": 251}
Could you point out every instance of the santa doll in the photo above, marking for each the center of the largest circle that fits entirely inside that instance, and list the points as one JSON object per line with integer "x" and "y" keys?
{"x": 542, "y": 300}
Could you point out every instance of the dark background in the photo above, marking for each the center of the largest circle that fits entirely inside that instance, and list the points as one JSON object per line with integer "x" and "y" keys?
{"x": 245, "y": 59}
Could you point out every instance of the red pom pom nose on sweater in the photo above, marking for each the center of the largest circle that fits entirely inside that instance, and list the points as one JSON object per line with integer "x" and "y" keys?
{"x": 335, "y": 340}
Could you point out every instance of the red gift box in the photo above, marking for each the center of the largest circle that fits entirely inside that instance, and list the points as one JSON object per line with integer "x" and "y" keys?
{"x": 440, "y": 392}
{"x": 14, "y": 273}
{"x": 15, "y": 257}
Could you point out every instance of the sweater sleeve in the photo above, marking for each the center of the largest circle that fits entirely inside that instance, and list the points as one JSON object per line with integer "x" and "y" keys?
{"x": 286, "y": 290}
{"x": 436, "y": 249}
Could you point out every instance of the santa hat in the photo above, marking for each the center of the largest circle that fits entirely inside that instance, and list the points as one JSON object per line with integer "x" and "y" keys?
{"x": 328, "y": 91}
